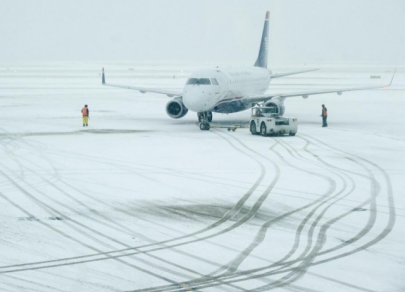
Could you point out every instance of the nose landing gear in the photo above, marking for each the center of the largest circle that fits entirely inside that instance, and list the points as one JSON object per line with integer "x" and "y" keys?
{"x": 204, "y": 118}
{"x": 201, "y": 116}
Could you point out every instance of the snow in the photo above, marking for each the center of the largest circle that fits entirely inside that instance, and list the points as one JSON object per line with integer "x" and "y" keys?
{"x": 149, "y": 202}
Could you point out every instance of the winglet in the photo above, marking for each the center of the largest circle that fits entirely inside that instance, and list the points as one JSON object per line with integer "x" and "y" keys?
{"x": 103, "y": 78}
{"x": 392, "y": 78}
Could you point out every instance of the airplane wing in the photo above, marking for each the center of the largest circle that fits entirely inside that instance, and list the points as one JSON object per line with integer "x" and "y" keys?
{"x": 169, "y": 93}
{"x": 291, "y": 73}
{"x": 305, "y": 94}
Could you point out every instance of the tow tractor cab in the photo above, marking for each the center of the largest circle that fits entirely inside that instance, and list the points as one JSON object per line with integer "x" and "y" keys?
{"x": 266, "y": 121}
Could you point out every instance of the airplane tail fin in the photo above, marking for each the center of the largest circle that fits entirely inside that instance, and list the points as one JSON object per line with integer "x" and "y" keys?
{"x": 263, "y": 52}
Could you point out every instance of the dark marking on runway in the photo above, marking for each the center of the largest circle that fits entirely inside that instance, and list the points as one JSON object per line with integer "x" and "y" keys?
{"x": 57, "y": 218}
{"x": 29, "y": 218}
{"x": 90, "y": 131}
{"x": 359, "y": 209}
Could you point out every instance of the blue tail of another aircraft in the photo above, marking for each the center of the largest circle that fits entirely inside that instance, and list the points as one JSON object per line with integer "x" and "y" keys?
{"x": 263, "y": 52}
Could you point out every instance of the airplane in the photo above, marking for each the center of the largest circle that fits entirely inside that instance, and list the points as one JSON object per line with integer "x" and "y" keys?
{"x": 230, "y": 90}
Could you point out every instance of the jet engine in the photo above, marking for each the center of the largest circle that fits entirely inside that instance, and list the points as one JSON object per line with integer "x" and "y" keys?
{"x": 175, "y": 108}
{"x": 278, "y": 106}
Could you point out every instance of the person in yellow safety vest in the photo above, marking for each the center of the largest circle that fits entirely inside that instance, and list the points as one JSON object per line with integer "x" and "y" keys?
{"x": 324, "y": 116}
{"x": 85, "y": 113}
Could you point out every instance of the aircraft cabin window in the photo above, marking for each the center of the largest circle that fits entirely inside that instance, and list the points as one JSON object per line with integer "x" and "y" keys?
{"x": 214, "y": 81}
{"x": 198, "y": 81}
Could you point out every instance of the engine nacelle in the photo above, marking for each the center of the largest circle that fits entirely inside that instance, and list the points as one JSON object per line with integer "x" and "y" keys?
{"x": 278, "y": 106}
{"x": 175, "y": 108}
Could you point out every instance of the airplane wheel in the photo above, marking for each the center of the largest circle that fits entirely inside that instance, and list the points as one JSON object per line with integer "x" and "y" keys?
{"x": 292, "y": 134}
{"x": 209, "y": 116}
{"x": 263, "y": 129}
{"x": 253, "y": 128}
{"x": 204, "y": 126}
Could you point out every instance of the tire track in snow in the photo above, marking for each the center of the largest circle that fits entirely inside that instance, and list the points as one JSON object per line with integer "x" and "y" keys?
{"x": 234, "y": 264}
{"x": 375, "y": 190}
{"x": 391, "y": 204}
{"x": 54, "y": 212}
{"x": 10, "y": 153}
{"x": 326, "y": 226}
{"x": 259, "y": 238}
{"x": 24, "y": 211}
{"x": 247, "y": 217}
{"x": 328, "y": 197}
{"x": 103, "y": 235}
{"x": 322, "y": 236}
{"x": 283, "y": 282}
{"x": 125, "y": 165}
{"x": 62, "y": 190}
{"x": 251, "y": 212}
{"x": 229, "y": 215}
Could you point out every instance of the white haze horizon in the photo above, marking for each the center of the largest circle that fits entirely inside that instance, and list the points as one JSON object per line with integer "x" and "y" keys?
{"x": 323, "y": 33}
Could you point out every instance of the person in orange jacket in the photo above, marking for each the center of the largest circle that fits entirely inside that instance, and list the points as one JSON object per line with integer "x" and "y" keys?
{"x": 324, "y": 116}
{"x": 85, "y": 114}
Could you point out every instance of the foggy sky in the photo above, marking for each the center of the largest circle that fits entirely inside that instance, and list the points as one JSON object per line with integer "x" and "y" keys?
{"x": 314, "y": 31}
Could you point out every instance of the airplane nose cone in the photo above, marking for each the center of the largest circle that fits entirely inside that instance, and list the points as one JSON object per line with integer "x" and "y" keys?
{"x": 197, "y": 100}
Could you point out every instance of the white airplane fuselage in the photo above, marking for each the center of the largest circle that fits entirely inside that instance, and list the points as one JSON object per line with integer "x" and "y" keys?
{"x": 233, "y": 84}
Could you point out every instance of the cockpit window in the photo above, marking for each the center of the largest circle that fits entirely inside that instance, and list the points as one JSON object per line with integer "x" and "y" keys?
{"x": 214, "y": 81}
{"x": 198, "y": 81}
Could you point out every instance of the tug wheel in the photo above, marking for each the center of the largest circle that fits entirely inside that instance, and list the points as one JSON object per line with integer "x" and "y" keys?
{"x": 263, "y": 129}
{"x": 253, "y": 128}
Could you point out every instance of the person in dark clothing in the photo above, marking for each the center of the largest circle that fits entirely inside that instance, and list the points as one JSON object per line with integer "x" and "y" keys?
{"x": 324, "y": 116}
{"x": 85, "y": 113}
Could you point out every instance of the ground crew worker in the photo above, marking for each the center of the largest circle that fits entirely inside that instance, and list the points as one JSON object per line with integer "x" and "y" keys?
{"x": 85, "y": 113}
{"x": 324, "y": 116}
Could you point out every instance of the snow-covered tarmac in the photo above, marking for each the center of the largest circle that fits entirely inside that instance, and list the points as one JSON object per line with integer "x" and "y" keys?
{"x": 141, "y": 202}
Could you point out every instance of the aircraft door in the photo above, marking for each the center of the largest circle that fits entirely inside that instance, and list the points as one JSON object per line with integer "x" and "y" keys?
{"x": 223, "y": 84}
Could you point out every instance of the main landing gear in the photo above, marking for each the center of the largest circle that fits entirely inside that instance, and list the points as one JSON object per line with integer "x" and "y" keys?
{"x": 204, "y": 118}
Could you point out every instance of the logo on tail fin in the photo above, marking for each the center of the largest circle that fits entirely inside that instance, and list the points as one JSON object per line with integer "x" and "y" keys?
{"x": 263, "y": 52}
